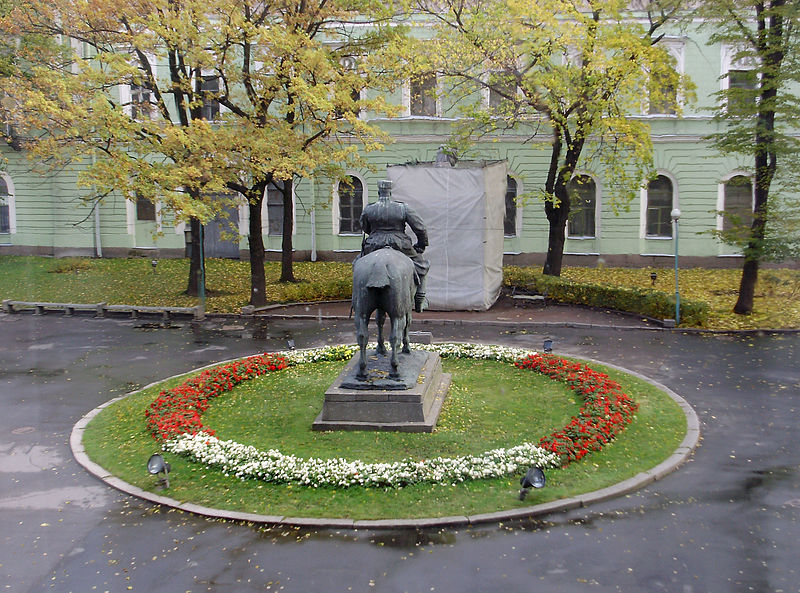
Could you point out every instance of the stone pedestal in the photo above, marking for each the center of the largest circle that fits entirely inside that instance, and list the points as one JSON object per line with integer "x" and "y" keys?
{"x": 407, "y": 405}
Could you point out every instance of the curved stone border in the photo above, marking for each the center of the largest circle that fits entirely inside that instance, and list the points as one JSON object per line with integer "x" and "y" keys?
{"x": 669, "y": 465}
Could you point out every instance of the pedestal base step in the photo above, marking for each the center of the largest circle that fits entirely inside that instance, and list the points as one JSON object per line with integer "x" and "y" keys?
{"x": 415, "y": 409}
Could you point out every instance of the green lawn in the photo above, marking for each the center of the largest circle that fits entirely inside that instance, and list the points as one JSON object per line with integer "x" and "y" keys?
{"x": 491, "y": 404}
{"x": 133, "y": 282}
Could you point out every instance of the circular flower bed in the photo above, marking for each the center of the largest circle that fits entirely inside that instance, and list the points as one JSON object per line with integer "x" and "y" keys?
{"x": 175, "y": 419}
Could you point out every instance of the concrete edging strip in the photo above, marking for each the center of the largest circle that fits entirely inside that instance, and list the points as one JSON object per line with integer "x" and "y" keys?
{"x": 669, "y": 465}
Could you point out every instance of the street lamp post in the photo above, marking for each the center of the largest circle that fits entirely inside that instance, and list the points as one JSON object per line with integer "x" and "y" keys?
{"x": 675, "y": 215}
{"x": 201, "y": 288}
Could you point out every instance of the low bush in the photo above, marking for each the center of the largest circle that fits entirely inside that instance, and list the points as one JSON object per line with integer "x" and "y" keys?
{"x": 70, "y": 264}
{"x": 642, "y": 301}
{"x": 328, "y": 289}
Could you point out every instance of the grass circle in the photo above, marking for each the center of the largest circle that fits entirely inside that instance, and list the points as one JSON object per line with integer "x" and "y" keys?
{"x": 491, "y": 404}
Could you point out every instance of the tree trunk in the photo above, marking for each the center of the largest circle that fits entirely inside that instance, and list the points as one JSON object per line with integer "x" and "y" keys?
{"x": 255, "y": 240}
{"x": 287, "y": 272}
{"x": 557, "y": 212}
{"x": 557, "y": 235}
{"x": 196, "y": 261}
{"x": 747, "y": 287}
{"x": 766, "y": 156}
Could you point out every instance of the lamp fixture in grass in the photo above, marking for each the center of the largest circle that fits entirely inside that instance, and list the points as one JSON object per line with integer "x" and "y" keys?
{"x": 533, "y": 478}
{"x": 157, "y": 465}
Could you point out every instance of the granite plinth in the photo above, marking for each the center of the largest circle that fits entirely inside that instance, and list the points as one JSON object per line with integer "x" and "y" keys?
{"x": 411, "y": 409}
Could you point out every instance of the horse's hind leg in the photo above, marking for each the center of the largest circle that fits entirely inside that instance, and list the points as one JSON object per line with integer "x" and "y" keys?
{"x": 395, "y": 338}
{"x": 361, "y": 337}
{"x": 406, "y": 347}
{"x": 380, "y": 316}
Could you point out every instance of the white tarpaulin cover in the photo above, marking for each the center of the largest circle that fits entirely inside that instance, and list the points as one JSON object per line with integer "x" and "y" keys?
{"x": 463, "y": 208}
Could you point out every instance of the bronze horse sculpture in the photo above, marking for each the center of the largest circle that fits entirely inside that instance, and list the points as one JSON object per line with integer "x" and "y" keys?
{"x": 383, "y": 281}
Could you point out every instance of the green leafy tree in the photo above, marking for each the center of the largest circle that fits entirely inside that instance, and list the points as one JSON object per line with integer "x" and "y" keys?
{"x": 575, "y": 72}
{"x": 760, "y": 113}
{"x": 224, "y": 98}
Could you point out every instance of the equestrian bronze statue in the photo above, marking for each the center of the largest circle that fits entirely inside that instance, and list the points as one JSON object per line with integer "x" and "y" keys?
{"x": 389, "y": 274}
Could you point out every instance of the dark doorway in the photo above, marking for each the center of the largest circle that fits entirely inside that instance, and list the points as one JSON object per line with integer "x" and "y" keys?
{"x": 222, "y": 235}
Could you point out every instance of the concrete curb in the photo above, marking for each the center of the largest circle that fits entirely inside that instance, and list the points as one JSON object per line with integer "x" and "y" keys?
{"x": 669, "y": 465}
{"x": 524, "y": 324}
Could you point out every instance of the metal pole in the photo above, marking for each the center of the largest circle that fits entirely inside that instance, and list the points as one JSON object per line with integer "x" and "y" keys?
{"x": 201, "y": 289}
{"x": 677, "y": 291}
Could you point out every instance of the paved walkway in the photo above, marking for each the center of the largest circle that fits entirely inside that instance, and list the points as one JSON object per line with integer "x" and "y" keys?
{"x": 725, "y": 522}
{"x": 506, "y": 311}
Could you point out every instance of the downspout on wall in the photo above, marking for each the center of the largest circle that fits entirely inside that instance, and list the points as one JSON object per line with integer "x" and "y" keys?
{"x": 98, "y": 242}
{"x": 313, "y": 222}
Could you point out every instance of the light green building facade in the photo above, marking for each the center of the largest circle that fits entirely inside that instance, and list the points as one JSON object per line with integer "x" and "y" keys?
{"x": 45, "y": 215}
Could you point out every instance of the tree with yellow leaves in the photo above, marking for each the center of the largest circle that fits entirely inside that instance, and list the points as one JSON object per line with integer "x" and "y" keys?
{"x": 184, "y": 101}
{"x": 575, "y": 71}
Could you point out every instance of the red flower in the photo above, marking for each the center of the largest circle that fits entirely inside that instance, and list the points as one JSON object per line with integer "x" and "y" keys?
{"x": 605, "y": 412}
{"x": 178, "y": 410}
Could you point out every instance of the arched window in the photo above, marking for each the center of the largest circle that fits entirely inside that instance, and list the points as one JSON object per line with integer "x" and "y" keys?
{"x": 510, "y": 217}
{"x": 6, "y": 199}
{"x": 582, "y": 192}
{"x": 738, "y": 203}
{"x": 351, "y": 201}
{"x": 659, "y": 206}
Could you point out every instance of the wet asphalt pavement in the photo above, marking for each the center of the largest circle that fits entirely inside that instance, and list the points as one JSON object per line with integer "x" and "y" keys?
{"x": 725, "y": 522}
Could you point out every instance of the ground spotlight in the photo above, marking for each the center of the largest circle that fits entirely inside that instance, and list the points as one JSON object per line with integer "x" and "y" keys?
{"x": 547, "y": 346}
{"x": 154, "y": 263}
{"x": 653, "y": 278}
{"x": 533, "y": 478}
{"x": 156, "y": 465}
{"x": 290, "y": 343}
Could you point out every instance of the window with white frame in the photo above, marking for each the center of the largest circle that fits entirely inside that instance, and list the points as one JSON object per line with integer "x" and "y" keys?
{"x": 662, "y": 94}
{"x": 141, "y": 102}
{"x": 208, "y": 87}
{"x": 349, "y": 64}
{"x": 145, "y": 210}
{"x": 739, "y": 81}
{"x": 351, "y": 201}
{"x": 5, "y": 206}
{"x": 737, "y": 203}
{"x": 422, "y": 95}
{"x": 742, "y": 93}
{"x": 582, "y": 191}
{"x": 273, "y": 208}
{"x": 510, "y": 216}
{"x": 501, "y": 88}
{"x": 658, "y": 206}
{"x": 137, "y": 99}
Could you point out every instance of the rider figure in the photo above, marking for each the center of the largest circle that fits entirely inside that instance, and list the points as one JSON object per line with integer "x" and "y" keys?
{"x": 385, "y": 222}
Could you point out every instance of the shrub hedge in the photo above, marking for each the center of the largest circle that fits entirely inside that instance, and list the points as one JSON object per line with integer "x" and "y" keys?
{"x": 648, "y": 302}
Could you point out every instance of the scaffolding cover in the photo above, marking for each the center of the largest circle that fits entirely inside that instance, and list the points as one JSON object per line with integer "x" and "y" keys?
{"x": 463, "y": 208}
